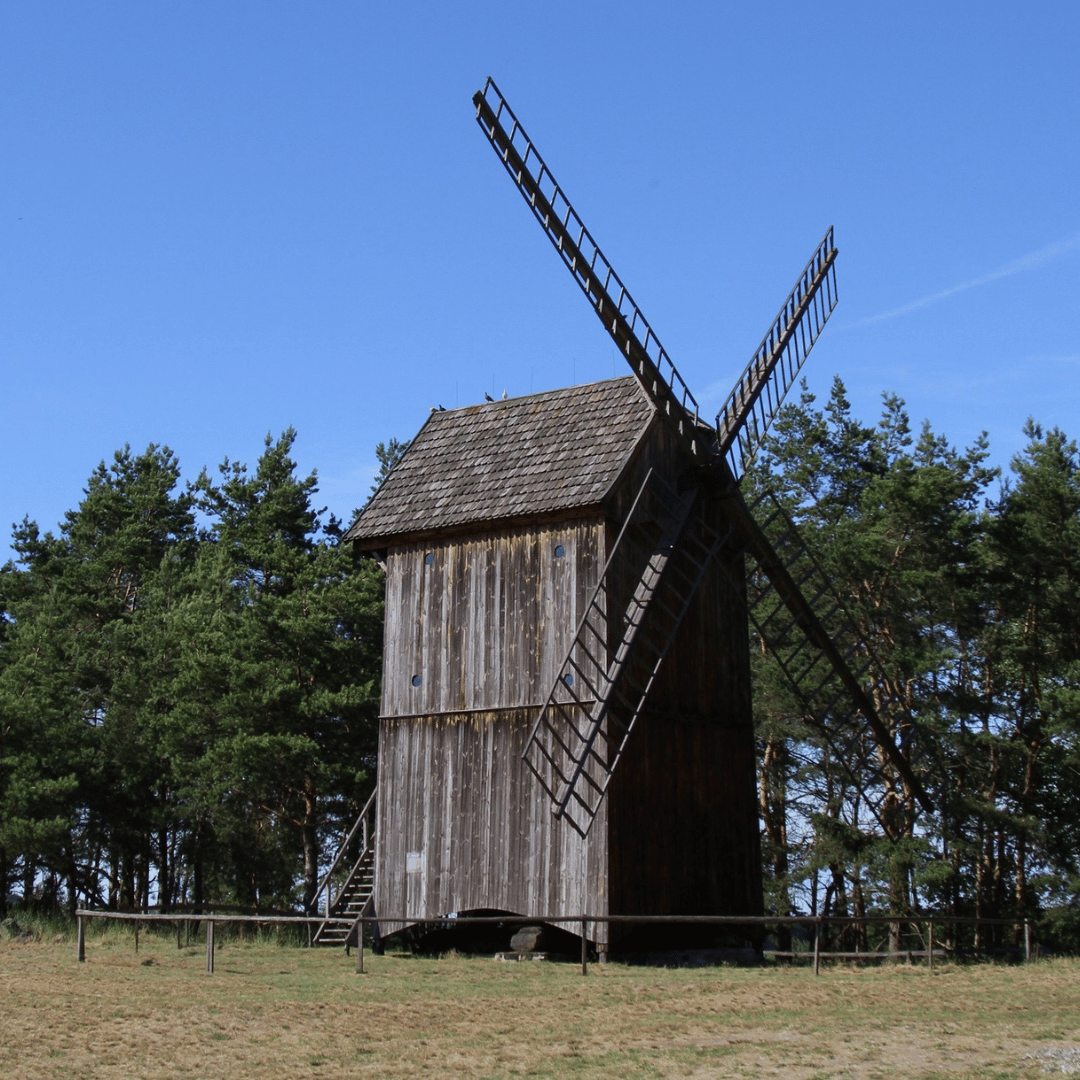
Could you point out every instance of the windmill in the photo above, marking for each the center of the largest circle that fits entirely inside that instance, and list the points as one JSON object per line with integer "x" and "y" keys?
{"x": 566, "y": 722}
{"x": 792, "y": 606}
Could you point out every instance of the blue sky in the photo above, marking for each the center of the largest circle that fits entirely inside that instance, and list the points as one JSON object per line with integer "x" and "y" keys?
{"x": 222, "y": 219}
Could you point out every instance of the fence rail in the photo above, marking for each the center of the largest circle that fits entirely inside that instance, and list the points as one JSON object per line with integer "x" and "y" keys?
{"x": 83, "y": 916}
{"x": 820, "y": 923}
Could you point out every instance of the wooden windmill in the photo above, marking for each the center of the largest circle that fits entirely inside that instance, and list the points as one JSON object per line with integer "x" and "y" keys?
{"x": 566, "y": 716}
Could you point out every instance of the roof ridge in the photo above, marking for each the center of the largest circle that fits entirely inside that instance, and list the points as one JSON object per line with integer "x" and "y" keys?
{"x": 539, "y": 394}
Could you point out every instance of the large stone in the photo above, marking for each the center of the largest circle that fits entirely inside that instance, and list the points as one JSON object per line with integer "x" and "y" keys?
{"x": 528, "y": 939}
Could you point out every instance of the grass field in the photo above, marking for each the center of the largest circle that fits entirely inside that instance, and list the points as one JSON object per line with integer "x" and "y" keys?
{"x": 286, "y": 1012}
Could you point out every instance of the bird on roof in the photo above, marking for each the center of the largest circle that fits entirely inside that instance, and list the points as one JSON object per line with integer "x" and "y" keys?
{"x": 437, "y": 408}
{"x": 504, "y": 395}
{"x": 487, "y": 396}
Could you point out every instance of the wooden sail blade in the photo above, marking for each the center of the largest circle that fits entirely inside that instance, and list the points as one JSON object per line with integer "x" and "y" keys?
{"x": 581, "y": 255}
{"x": 742, "y": 423}
{"x": 819, "y": 649}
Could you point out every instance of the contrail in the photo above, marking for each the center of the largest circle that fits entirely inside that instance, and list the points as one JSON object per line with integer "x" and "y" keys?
{"x": 1027, "y": 262}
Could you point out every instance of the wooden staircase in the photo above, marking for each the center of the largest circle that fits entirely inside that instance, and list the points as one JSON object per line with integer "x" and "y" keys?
{"x": 349, "y": 895}
{"x": 350, "y": 903}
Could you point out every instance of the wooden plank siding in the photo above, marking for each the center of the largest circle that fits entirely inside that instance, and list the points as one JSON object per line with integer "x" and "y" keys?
{"x": 683, "y": 823}
{"x": 682, "y": 807}
{"x": 485, "y": 621}
{"x": 465, "y": 826}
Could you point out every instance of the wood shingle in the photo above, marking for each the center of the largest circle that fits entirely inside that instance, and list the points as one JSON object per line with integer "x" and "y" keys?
{"x": 508, "y": 460}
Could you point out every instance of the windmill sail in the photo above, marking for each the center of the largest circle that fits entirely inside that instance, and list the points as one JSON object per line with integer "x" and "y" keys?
{"x": 579, "y": 736}
{"x": 607, "y": 295}
{"x": 824, "y": 658}
{"x": 584, "y": 725}
{"x": 742, "y": 423}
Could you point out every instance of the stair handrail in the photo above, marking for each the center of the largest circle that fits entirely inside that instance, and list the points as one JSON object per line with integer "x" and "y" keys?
{"x": 360, "y": 823}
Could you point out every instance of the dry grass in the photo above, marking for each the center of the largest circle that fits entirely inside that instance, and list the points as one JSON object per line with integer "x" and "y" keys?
{"x": 296, "y": 1013}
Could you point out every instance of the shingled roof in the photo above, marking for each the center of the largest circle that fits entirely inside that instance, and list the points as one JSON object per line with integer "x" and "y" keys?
{"x": 505, "y": 460}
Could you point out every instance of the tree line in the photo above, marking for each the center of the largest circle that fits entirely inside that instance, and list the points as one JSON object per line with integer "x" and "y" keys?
{"x": 189, "y": 680}
{"x": 966, "y": 586}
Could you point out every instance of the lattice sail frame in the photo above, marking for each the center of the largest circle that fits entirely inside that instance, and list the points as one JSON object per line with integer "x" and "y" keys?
{"x": 604, "y": 682}
{"x": 607, "y": 295}
{"x": 835, "y": 697}
{"x": 741, "y": 425}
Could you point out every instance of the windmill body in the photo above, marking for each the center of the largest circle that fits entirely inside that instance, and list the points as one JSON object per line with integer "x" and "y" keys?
{"x": 496, "y": 527}
{"x": 571, "y": 578}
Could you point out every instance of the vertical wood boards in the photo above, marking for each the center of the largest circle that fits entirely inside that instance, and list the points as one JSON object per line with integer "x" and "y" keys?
{"x": 682, "y": 807}
{"x": 477, "y": 628}
{"x": 464, "y": 826}
{"x": 484, "y": 622}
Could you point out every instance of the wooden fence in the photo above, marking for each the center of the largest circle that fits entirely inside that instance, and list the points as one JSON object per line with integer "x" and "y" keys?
{"x": 580, "y": 923}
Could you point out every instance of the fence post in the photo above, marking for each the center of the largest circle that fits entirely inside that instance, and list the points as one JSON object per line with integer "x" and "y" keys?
{"x": 210, "y": 946}
{"x": 81, "y": 937}
{"x": 930, "y": 951}
{"x": 359, "y": 947}
{"x": 584, "y": 949}
{"x": 1027, "y": 941}
{"x": 136, "y": 935}
{"x": 817, "y": 945}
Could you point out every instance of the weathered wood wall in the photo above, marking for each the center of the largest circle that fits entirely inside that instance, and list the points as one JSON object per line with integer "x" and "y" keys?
{"x": 484, "y": 622}
{"x": 465, "y": 826}
{"x": 684, "y": 835}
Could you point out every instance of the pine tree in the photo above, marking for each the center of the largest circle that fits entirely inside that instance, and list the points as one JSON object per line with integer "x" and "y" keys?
{"x": 895, "y": 523}
{"x": 296, "y": 731}
{"x": 1033, "y": 652}
{"x": 75, "y": 800}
